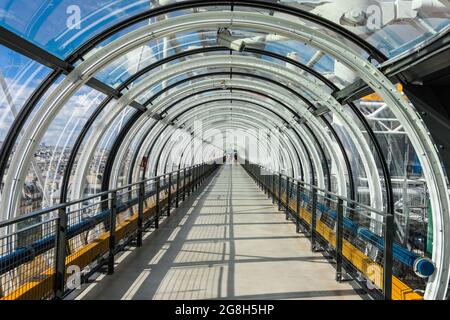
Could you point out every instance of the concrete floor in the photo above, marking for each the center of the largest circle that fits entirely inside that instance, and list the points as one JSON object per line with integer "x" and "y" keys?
{"x": 226, "y": 242}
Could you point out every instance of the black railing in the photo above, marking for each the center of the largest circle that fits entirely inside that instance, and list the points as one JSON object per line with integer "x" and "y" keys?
{"x": 359, "y": 237}
{"x": 39, "y": 251}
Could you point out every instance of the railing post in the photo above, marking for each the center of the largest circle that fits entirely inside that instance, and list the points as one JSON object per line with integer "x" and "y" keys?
{"x": 112, "y": 231}
{"x": 189, "y": 182}
{"x": 287, "y": 197}
{"x": 141, "y": 196}
{"x": 184, "y": 184}
{"x": 169, "y": 195}
{"x": 203, "y": 172}
{"x": 258, "y": 181}
{"x": 388, "y": 256}
{"x": 195, "y": 178}
{"x": 199, "y": 175}
{"x": 339, "y": 236}
{"x": 60, "y": 253}
{"x": 273, "y": 187}
{"x": 194, "y": 169}
{"x": 313, "y": 217}
{"x": 157, "y": 206}
{"x": 279, "y": 191}
{"x": 177, "y": 201}
{"x": 263, "y": 179}
{"x": 297, "y": 209}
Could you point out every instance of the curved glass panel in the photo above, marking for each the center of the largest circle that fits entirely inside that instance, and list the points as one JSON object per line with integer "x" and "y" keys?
{"x": 62, "y": 26}
{"x": 32, "y": 199}
{"x": 129, "y": 162}
{"x": 47, "y": 170}
{"x": 119, "y": 70}
{"x": 143, "y": 98}
{"x": 97, "y": 165}
{"x": 393, "y": 27}
{"x": 356, "y": 164}
{"x": 409, "y": 188}
{"x": 19, "y": 77}
{"x": 85, "y": 141}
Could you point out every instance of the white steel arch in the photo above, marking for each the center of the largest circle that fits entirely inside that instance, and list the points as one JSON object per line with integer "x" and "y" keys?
{"x": 417, "y": 132}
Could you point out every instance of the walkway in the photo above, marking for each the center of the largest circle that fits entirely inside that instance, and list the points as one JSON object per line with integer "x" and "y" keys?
{"x": 226, "y": 242}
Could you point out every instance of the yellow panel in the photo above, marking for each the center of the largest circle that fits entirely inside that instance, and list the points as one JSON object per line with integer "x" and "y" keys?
{"x": 376, "y": 97}
{"x": 42, "y": 286}
{"x": 372, "y": 270}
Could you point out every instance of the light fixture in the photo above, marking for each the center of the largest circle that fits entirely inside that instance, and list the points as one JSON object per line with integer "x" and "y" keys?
{"x": 224, "y": 38}
{"x": 321, "y": 110}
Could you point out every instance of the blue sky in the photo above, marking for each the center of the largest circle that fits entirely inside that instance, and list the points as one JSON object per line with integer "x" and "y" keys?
{"x": 45, "y": 23}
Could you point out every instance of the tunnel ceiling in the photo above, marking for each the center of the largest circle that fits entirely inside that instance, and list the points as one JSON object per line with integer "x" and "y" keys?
{"x": 89, "y": 89}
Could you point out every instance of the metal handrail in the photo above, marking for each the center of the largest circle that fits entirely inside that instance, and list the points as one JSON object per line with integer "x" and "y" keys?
{"x": 60, "y": 231}
{"x": 57, "y": 207}
{"x": 384, "y": 214}
{"x": 420, "y": 265}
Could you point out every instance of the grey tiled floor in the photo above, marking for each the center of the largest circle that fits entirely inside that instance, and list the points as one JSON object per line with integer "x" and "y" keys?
{"x": 226, "y": 242}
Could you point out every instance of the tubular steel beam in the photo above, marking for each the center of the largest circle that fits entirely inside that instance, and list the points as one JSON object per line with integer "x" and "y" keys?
{"x": 238, "y": 100}
{"x": 115, "y": 148}
{"x": 214, "y": 89}
{"x": 283, "y": 119}
{"x": 166, "y": 89}
{"x": 215, "y": 49}
{"x": 191, "y": 4}
{"x": 243, "y": 90}
{"x": 202, "y": 104}
{"x": 173, "y": 104}
{"x": 259, "y": 77}
{"x": 76, "y": 147}
{"x": 30, "y": 50}
{"x": 215, "y": 2}
{"x": 89, "y": 45}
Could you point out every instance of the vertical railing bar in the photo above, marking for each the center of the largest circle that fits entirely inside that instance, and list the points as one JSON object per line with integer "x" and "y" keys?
{"x": 279, "y": 192}
{"x": 169, "y": 195}
{"x": 339, "y": 237}
{"x": 157, "y": 205}
{"x": 184, "y": 184}
{"x": 60, "y": 253}
{"x": 273, "y": 188}
{"x": 313, "y": 218}
{"x": 287, "y": 197}
{"x": 388, "y": 256}
{"x": 297, "y": 210}
{"x": 140, "y": 219}
{"x": 112, "y": 231}
{"x": 177, "y": 201}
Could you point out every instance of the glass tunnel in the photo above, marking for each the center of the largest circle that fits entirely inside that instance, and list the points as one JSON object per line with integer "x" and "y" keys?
{"x": 113, "y": 112}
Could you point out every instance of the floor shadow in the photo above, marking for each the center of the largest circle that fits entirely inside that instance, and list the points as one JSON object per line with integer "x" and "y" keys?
{"x": 193, "y": 254}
